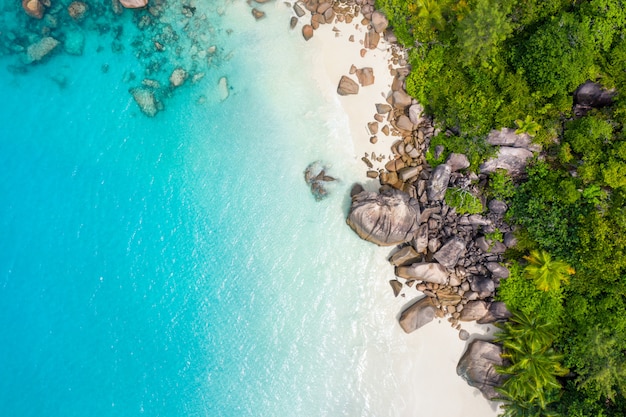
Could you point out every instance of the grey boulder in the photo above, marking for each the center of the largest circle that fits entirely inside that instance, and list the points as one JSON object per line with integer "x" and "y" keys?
{"x": 386, "y": 218}
{"x": 477, "y": 367}
{"x": 418, "y": 314}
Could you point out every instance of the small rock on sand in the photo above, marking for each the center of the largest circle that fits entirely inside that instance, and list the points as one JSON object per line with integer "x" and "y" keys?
{"x": 307, "y": 32}
{"x": 347, "y": 86}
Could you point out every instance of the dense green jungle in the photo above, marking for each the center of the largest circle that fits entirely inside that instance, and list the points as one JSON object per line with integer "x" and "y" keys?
{"x": 478, "y": 65}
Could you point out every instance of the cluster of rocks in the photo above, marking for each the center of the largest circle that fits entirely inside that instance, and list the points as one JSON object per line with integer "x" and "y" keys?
{"x": 315, "y": 175}
{"x": 174, "y": 45}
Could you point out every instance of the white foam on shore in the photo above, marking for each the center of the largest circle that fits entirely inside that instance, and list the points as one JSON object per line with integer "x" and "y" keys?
{"x": 365, "y": 361}
{"x": 399, "y": 374}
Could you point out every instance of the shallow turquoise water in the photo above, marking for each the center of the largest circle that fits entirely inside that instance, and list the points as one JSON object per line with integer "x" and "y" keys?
{"x": 177, "y": 265}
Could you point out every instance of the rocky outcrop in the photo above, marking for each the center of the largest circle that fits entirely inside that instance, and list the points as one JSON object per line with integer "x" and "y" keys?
{"x": 418, "y": 314}
{"x": 134, "y": 4}
{"x": 478, "y": 367}
{"x": 347, "y": 86}
{"x": 386, "y": 218}
{"x": 316, "y": 177}
{"x": 513, "y": 160}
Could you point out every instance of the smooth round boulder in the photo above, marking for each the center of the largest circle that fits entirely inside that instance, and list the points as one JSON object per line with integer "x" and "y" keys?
{"x": 387, "y": 218}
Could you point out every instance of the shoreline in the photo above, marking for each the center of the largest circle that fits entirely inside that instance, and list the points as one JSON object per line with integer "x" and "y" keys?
{"x": 339, "y": 46}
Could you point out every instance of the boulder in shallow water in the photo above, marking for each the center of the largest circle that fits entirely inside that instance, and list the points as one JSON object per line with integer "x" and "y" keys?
{"x": 418, "y": 314}
{"x": 178, "y": 77}
{"x": 39, "y": 50}
{"x": 77, "y": 10}
{"x": 145, "y": 99}
{"x": 318, "y": 179}
{"x": 134, "y": 4}
{"x": 33, "y": 8}
{"x": 386, "y": 218}
{"x": 478, "y": 367}
{"x": 223, "y": 89}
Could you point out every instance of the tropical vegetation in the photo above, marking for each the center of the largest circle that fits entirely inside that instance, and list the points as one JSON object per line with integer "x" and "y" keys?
{"x": 478, "y": 65}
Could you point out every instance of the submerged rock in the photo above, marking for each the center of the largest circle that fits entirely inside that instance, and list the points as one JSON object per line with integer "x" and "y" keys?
{"x": 39, "y": 50}
{"x": 74, "y": 42}
{"x": 478, "y": 367}
{"x": 315, "y": 175}
{"x": 77, "y": 10}
{"x": 386, "y": 218}
{"x": 145, "y": 99}
{"x": 178, "y": 77}
{"x": 223, "y": 89}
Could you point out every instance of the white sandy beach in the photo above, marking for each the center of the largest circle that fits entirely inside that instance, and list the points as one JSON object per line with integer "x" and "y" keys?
{"x": 422, "y": 364}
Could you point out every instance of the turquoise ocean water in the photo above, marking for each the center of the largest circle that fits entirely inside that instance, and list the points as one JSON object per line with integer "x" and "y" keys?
{"x": 177, "y": 265}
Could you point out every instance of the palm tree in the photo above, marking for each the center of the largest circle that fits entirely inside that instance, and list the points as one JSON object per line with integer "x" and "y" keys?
{"x": 533, "y": 366}
{"x": 547, "y": 273}
{"x": 521, "y": 327}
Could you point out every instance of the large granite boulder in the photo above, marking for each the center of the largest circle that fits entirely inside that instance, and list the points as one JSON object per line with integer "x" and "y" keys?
{"x": 347, "y": 86}
{"x": 379, "y": 22}
{"x": 593, "y": 95}
{"x": 497, "y": 312}
{"x": 365, "y": 76}
{"x": 513, "y": 160}
{"x": 405, "y": 256}
{"x": 386, "y": 218}
{"x": 448, "y": 255}
{"x": 134, "y": 4}
{"x": 474, "y": 310}
{"x": 424, "y": 271}
{"x": 418, "y": 314}
{"x": 438, "y": 182}
{"x": 477, "y": 367}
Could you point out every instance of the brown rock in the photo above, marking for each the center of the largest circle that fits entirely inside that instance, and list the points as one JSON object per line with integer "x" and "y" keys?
{"x": 373, "y": 127}
{"x": 425, "y": 271}
{"x": 374, "y": 140}
{"x": 405, "y": 256}
{"x": 258, "y": 14}
{"x": 474, "y": 310}
{"x": 365, "y": 76}
{"x": 347, "y": 86}
{"x": 371, "y": 39}
{"x": 396, "y": 286}
{"x": 307, "y": 32}
{"x": 33, "y": 8}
